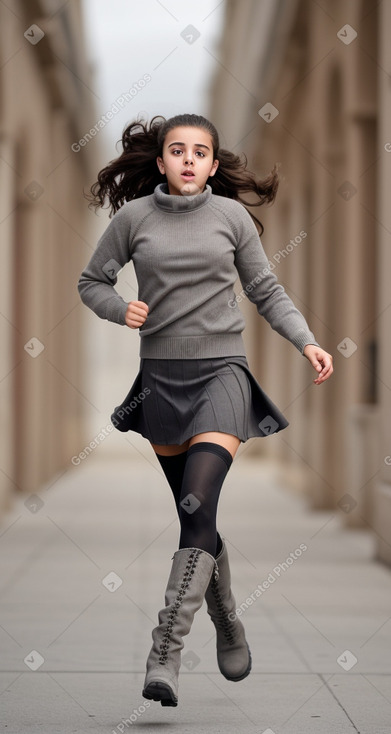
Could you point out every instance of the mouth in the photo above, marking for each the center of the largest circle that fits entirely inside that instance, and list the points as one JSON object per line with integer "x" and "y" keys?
{"x": 187, "y": 175}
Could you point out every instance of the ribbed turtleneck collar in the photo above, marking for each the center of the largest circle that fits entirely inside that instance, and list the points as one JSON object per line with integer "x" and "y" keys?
{"x": 180, "y": 203}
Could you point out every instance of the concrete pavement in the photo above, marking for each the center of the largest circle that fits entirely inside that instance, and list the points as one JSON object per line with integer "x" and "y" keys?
{"x": 84, "y": 565}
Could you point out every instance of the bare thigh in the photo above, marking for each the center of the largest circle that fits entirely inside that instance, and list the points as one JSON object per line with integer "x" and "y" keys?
{"x": 228, "y": 441}
{"x": 171, "y": 449}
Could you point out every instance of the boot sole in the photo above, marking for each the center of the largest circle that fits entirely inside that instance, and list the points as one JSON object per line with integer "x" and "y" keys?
{"x": 160, "y": 691}
{"x": 244, "y": 675}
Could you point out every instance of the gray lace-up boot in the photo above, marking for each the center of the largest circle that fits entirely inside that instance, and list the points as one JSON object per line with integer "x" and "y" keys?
{"x": 233, "y": 652}
{"x": 190, "y": 574}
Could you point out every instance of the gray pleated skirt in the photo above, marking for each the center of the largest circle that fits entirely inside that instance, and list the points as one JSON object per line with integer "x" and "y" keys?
{"x": 172, "y": 400}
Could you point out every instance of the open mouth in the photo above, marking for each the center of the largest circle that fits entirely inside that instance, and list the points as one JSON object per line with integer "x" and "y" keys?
{"x": 187, "y": 175}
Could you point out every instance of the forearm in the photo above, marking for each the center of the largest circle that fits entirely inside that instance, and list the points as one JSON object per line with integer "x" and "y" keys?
{"x": 283, "y": 316}
{"x": 102, "y": 299}
{"x": 262, "y": 288}
{"x": 97, "y": 281}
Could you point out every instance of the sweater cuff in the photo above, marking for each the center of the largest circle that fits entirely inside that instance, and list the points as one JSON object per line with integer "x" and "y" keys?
{"x": 116, "y": 310}
{"x": 302, "y": 338}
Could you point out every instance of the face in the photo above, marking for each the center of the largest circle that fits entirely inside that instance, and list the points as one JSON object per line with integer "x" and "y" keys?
{"x": 187, "y": 149}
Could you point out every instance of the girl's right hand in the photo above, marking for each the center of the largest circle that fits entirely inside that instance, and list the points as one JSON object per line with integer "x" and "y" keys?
{"x": 136, "y": 314}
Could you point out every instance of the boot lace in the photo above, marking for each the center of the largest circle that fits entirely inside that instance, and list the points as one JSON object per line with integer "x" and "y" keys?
{"x": 188, "y": 573}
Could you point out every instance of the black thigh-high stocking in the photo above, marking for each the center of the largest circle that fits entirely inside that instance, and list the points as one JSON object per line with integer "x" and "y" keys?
{"x": 206, "y": 467}
{"x": 173, "y": 467}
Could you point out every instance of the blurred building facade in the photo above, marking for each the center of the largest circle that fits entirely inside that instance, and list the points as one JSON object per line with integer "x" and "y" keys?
{"x": 307, "y": 84}
{"x": 325, "y": 69}
{"x": 44, "y": 108}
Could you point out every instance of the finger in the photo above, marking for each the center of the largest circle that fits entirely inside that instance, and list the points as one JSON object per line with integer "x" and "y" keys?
{"x": 137, "y": 312}
{"x": 138, "y": 306}
{"x": 134, "y": 324}
{"x": 327, "y": 365}
{"x": 139, "y": 318}
{"x": 324, "y": 376}
{"x": 141, "y": 304}
{"x": 134, "y": 318}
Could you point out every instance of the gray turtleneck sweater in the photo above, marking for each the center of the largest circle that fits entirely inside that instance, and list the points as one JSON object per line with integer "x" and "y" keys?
{"x": 187, "y": 253}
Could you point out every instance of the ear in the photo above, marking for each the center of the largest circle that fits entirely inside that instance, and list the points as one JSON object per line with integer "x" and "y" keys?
{"x": 214, "y": 168}
{"x": 160, "y": 165}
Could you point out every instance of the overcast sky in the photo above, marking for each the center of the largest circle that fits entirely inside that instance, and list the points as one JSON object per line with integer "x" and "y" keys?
{"x": 127, "y": 39}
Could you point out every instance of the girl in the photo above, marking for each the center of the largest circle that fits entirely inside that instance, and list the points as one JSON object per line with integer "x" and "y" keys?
{"x": 177, "y": 213}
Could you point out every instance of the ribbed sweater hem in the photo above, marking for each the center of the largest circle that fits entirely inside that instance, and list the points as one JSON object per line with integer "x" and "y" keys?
{"x": 191, "y": 347}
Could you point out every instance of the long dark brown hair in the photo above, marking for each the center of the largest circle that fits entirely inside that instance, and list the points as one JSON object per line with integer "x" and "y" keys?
{"x": 138, "y": 175}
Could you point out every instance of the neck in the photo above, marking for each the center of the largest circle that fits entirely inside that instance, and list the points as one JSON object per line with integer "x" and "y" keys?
{"x": 178, "y": 202}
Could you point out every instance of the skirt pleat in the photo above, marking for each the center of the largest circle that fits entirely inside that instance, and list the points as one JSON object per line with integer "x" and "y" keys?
{"x": 172, "y": 400}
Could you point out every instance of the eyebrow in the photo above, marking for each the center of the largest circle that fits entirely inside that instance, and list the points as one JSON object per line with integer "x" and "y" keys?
{"x": 198, "y": 145}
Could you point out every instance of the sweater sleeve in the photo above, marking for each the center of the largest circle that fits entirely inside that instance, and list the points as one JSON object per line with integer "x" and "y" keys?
{"x": 97, "y": 281}
{"x": 262, "y": 288}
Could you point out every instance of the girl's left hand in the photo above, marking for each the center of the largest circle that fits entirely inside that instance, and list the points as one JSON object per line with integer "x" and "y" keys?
{"x": 321, "y": 360}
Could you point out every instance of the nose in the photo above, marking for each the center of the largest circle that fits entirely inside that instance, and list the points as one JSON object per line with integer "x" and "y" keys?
{"x": 189, "y": 158}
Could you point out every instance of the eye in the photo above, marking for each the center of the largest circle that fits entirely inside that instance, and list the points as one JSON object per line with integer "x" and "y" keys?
{"x": 178, "y": 150}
